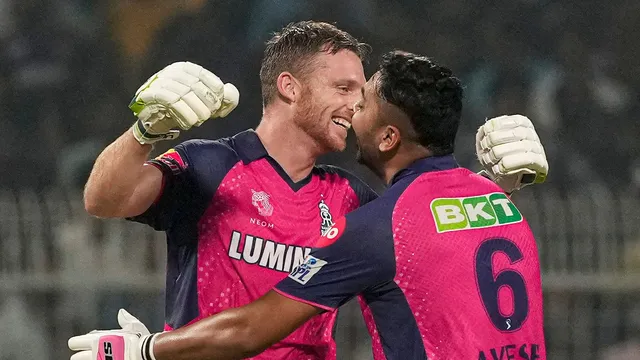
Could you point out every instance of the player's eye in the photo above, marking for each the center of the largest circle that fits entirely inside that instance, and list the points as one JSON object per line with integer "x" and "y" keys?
{"x": 357, "y": 106}
{"x": 343, "y": 88}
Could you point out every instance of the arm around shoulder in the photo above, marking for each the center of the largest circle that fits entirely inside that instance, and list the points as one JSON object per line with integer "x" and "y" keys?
{"x": 236, "y": 333}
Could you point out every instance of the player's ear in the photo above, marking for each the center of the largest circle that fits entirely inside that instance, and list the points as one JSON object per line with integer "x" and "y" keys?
{"x": 288, "y": 86}
{"x": 389, "y": 138}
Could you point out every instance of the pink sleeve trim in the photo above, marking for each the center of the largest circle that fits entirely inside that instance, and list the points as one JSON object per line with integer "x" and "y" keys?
{"x": 323, "y": 307}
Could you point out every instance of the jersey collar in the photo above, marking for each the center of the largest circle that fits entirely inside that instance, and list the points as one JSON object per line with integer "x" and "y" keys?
{"x": 249, "y": 147}
{"x": 432, "y": 163}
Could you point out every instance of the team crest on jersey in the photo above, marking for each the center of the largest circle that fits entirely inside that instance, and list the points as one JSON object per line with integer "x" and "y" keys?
{"x": 325, "y": 216}
{"x": 260, "y": 200}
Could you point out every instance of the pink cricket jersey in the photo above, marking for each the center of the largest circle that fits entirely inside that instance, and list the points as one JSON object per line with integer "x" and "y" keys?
{"x": 445, "y": 265}
{"x": 236, "y": 225}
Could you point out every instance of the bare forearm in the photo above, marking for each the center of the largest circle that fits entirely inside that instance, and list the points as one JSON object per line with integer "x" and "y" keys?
{"x": 225, "y": 336}
{"x": 235, "y": 333}
{"x": 115, "y": 177}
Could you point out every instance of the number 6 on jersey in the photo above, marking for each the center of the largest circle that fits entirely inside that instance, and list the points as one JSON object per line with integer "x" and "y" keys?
{"x": 490, "y": 285}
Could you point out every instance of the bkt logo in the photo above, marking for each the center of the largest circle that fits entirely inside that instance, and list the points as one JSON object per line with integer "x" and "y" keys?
{"x": 474, "y": 212}
{"x": 305, "y": 271}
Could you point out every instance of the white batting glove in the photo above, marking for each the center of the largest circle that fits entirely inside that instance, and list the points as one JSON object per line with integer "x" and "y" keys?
{"x": 180, "y": 96}
{"x": 132, "y": 342}
{"x": 510, "y": 152}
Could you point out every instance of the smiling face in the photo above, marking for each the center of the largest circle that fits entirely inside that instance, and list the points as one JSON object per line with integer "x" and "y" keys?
{"x": 329, "y": 92}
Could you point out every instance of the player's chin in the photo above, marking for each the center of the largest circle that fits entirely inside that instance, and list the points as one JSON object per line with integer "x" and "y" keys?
{"x": 336, "y": 141}
{"x": 337, "y": 145}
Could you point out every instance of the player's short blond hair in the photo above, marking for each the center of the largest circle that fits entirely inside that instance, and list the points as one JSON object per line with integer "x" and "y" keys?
{"x": 292, "y": 48}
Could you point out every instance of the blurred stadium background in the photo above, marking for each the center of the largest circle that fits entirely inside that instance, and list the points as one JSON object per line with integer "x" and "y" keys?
{"x": 68, "y": 69}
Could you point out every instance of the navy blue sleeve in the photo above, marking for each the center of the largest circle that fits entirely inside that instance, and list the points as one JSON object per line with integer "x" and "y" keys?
{"x": 364, "y": 192}
{"x": 192, "y": 172}
{"x": 354, "y": 255}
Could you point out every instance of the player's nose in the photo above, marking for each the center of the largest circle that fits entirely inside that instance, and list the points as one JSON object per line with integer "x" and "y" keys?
{"x": 350, "y": 111}
{"x": 351, "y": 107}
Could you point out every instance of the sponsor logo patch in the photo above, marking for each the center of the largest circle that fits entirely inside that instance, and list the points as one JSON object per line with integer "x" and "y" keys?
{"x": 474, "y": 212}
{"x": 305, "y": 271}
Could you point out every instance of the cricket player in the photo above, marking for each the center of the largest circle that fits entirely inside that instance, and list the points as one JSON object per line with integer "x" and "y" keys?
{"x": 240, "y": 213}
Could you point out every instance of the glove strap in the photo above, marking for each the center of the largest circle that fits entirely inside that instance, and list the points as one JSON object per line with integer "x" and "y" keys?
{"x": 144, "y": 137}
{"x": 146, "y": 347}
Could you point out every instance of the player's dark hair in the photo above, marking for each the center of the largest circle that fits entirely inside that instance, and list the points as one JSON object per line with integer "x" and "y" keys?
{"x": 291, "y": 49}
{"x": 428, "y": 93}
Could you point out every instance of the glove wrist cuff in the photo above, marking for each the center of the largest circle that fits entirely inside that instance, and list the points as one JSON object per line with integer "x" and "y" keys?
{"x": 507, "y": 184}
{"x": 485, "y": 174}
{"x": 146, "y": 347}
{"x": 144, "y": 137}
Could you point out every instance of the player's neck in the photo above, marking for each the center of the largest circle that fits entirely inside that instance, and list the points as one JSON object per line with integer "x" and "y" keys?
{"x": 401, "y": 161}
{"x": 289, "y": 146}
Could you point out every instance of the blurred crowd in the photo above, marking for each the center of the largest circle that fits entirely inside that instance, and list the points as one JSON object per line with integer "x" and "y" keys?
{"x": 68, "y": 69}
